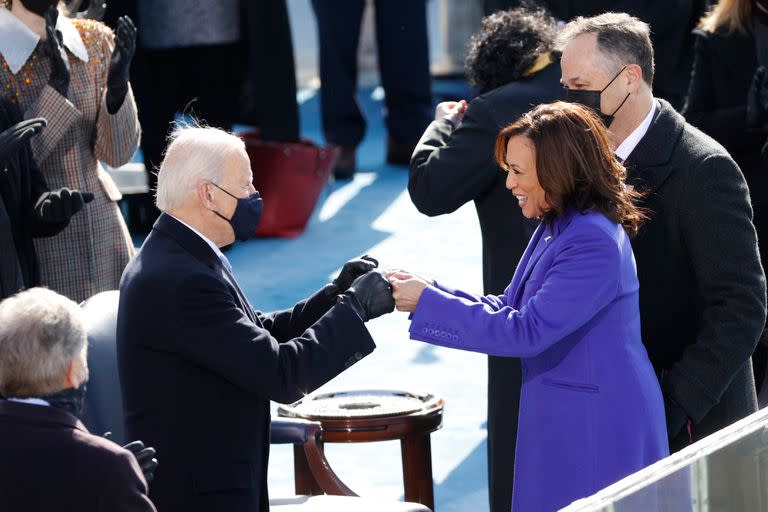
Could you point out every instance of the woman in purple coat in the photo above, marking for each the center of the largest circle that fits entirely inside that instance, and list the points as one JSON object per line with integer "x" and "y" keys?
{"x": 591, "y": 411}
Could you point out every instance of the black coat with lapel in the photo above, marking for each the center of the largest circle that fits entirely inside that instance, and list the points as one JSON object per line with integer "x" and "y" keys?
{"x": 452, "y": 167}
{"x": 702, "y": 288}
{"x": 198, "y": 367}
{"x": 52, "y": 462}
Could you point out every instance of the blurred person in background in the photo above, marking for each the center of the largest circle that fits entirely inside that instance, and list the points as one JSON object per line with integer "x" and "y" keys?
{"x": 50, "y": 460}
{"x": 403, "y": 55}
{"x": 28, "y": 209}
{"x": 74, "y": 72}
{"x": 228, "y": 61}
{"x": 728, "y": 99}
{"x": 453, "y": 164}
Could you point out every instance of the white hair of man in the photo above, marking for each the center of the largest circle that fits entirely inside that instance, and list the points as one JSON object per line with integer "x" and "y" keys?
{"x": 194, "y": 153}
{"x": 41, "y": 333}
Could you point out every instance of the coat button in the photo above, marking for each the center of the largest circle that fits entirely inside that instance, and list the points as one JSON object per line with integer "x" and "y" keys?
{"x": 358, "y": 356}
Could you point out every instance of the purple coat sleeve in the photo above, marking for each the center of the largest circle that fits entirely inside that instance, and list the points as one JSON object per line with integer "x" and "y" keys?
{"x": 582, "y": 279}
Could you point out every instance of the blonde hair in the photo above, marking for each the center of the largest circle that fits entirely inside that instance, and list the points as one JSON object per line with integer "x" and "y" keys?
{"x": 733, "y": 15}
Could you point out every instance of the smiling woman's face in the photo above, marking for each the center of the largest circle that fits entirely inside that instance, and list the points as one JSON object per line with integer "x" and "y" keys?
{"x": 522, "y": 179}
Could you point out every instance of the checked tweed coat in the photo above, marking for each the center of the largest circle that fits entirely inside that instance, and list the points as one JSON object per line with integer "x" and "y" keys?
{"x": 90, "y": 254}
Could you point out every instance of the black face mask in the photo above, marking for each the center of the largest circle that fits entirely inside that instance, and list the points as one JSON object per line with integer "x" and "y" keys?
{"x": 247, "y": 214}
{"x": 70, "y": 400}
{"x": 39, "y": 6}
{"x": 591, "y": 98}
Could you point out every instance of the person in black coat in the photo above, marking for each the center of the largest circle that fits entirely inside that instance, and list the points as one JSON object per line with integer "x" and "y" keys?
{"x": 724, "y": 101}
{"x": 702, "y": 288}
{"x": 50, "y": 460}
{"x": 453, "y": 164}
{"x": 28, "y": 209}
{"x": 198, "y": 364}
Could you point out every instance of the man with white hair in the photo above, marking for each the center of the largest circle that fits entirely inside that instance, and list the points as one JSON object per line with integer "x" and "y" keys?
{"x": 50, "y": 460}
{"x": 198, "y": 364}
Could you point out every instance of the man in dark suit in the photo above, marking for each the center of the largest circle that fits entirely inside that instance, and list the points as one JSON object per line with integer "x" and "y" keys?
{"x": 50, "y": 460}
{"x": 702, "y": 288}
{"x": 198, "y": 364}
{"x": 453, "y": 164}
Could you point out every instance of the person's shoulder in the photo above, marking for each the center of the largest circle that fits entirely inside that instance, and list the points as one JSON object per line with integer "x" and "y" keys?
{"x": 596, "y": 227}
{"x": 112, "y": 465}
{"x": 696, "y": 147}
{"x": 92, "y": 30}
{"x": 97, "y": 449}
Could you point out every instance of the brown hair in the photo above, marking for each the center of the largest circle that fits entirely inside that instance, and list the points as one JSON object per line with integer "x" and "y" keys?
{"x": 731, "y": 15}
{"x": 574, "y": 163}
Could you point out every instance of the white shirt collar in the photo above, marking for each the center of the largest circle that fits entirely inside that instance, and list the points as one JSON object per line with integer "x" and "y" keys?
{"x": 33, "y": 401}
{"x": 17, "y": 41}
{"x": 628, "y": 145}
{"x": 213, "y": 246}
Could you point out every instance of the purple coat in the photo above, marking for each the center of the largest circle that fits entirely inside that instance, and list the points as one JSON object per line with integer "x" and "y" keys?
{"x": 591, "y": 411}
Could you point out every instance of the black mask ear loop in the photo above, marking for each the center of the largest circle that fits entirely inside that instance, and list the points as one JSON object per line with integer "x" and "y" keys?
{"x": 609, "y": 84}
{"x": 230, "y": 195}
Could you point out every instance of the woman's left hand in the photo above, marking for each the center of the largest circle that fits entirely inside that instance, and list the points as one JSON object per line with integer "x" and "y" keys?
{"x": 406, "y": 289}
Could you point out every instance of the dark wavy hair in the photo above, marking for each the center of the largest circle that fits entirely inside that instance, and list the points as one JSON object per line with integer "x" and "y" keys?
{"x": 509, "y": 44}
{"x": 575, "y": 164}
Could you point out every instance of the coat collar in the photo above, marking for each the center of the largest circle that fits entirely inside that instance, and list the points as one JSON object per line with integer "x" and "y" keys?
{"x": 188, "y": 239}
{"x": 647, "y": 164}
{"x": 40, "y": 414}
{"x": 18, "y": 42}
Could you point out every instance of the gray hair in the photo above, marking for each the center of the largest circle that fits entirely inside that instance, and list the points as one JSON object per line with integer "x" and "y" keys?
{"x": 621, "y": 38}
{"x": 41, "y": 332}
{"x": 194, "y": 153}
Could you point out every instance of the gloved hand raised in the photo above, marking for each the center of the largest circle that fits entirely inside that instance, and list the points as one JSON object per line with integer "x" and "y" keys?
{"x": 13, "y": 139}
{"x": 352, "y": 270}
{"x": 757, "y": 100}
{"x": 120, "y": 63}
{"x": 146, "y": 458}
{"x": 59, "y": 206}
{"x": 54, "y": 44}
{"x": 370, "y": 296}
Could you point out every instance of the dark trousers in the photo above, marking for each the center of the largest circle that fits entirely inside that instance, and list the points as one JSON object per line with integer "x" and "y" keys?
{"x": 401, "y": 36}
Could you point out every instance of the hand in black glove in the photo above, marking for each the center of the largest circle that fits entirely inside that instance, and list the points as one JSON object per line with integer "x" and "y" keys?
{"x": 60, "y": 205}
{"x": 757, "y": 100}
{"x": 13, "y": 138}
{"x": 352, "y": 270}
{"x": 370, "y": 296}
{"x": 146, "y": 458}
{"x": 120, "y": 63}
{"x": 60, "y": 70}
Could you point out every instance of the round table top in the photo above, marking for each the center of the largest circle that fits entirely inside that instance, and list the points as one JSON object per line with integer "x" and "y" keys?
{"x": 362, "y": 404}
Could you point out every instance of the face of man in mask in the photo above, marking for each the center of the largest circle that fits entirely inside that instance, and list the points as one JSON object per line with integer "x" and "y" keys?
{"x": 590, "y": 80}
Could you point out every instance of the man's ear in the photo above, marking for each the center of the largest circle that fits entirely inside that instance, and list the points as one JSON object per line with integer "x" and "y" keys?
{"x": 75, "y": 372}
{"x": 204, "y": 193}
{"x": 634, "y": 77}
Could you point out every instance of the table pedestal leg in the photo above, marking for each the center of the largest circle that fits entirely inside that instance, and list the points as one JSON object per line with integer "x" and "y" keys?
{"x": 417, "y": 469}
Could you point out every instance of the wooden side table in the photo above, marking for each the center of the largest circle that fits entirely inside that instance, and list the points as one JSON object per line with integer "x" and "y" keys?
{"x": 377, "y": 415}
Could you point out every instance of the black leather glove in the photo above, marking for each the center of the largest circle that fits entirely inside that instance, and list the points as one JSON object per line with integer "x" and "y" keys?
{"x": 14, "y": 138}
{"x": 120, "y": 63}
{"x": 370, "y": 296}
{"x": 145, "y": 455}
{"x": 59, "y": 206}
{"x": 60, "y": 70}
{"x": 757, "y": 100}
{"x": 352, "y": 270}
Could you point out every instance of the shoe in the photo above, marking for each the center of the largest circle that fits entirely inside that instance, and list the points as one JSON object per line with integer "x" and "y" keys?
{"x": 399, "y": 153}
{"x": 346, "y": 164}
